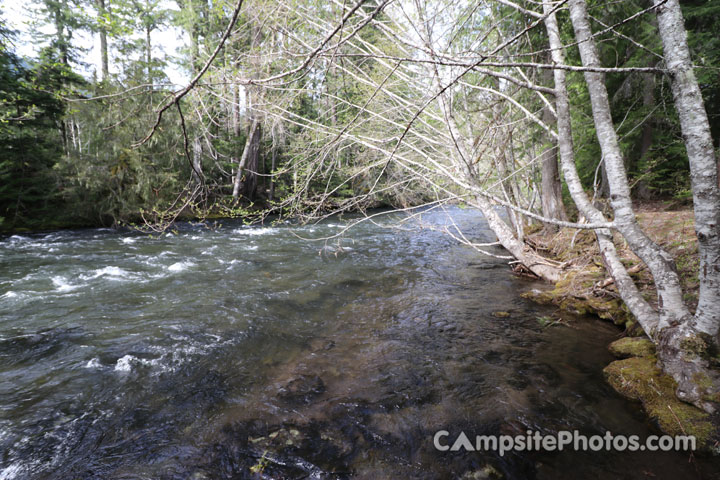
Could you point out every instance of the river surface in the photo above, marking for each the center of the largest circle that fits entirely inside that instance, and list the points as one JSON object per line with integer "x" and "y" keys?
{"x": 249, "y": 352}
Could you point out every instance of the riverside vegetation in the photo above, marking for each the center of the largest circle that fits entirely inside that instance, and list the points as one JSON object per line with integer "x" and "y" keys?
{"x": 586, "y": 289}
{"x": 558, "y": 117}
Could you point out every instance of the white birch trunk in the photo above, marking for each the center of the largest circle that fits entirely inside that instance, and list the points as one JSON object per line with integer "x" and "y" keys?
{"x": 643, "y": 312}
{"x": 682, "y": 350}
{"x": 703, "y": 162}
{"x": 662, "y": 266}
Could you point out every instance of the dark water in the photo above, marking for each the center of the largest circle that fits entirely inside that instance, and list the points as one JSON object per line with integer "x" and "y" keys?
{"x": 250, "y": 353}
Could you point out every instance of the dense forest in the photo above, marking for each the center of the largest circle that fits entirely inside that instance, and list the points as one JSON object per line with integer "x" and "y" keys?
{"x": 74, "y": 150}
{"x": 559, "y": 112}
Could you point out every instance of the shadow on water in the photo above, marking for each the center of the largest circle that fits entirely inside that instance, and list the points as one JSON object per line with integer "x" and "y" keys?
{"x": 248, "y": 353}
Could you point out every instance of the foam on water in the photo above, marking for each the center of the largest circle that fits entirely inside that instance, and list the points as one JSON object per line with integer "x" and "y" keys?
{"x": 169, "y": 359}
{"x": 94, "y": 363}
{"x": 18, "y": 239}
{"x": 127, "y": 362}
{"x": 62, "y": 285}
{"x": 254, "y": 231}
{"x": 180, "y": 266}
{"x": 128, "y": 240}
{"x": 124, "y": 364}
{"x": 10, "y": 472}
{"x": 110, "y": 271}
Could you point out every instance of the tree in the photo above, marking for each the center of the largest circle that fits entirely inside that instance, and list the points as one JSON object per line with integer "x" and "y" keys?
{"x": 31, "y": 114}
{"x": 689, "y": 366}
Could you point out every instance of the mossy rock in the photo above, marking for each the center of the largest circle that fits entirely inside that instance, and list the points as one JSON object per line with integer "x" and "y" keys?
{"x": 632, "y": 347}
{"x": 639, "y": 378}
{"x": 581, "y": 301}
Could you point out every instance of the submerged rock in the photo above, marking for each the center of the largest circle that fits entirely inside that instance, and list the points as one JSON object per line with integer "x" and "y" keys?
{"x": 302, "y": 389}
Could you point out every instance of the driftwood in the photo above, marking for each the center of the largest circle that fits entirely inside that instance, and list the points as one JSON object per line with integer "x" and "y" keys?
{"x": 609, "y": 281}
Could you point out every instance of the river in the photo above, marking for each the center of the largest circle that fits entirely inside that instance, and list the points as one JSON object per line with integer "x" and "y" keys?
{"x": 253, "y": 352}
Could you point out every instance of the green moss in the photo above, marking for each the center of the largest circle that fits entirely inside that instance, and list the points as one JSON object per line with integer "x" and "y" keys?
{"x": 706, "y": 384}
{"x": 700, "y": 345}
{"x": 632, "y": 347}
{"x": 639, "y": 378}
{"x": 694, "y": 346}
{"x": 573, "y": 293}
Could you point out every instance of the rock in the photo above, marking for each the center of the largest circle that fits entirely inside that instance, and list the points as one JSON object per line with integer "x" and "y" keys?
{"x": 302, "y": 390}
{"x": 639, "y": 378}
{"x": 278, "y": 440}
{"x": 444, "y": 326}
{"x": 486, "y": 473}
{"x": 501, "y": 314}
{"x": 632, "y": 347}
{"x": 321, "y": 344}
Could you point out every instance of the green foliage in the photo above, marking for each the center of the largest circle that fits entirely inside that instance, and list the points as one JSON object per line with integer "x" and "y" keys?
{"x": 107, "y": 180}
{"x": 647, "y": 124}
{"x": 31, "y": 135}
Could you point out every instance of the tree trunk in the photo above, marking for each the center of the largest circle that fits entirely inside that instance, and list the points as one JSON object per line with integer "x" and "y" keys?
{"x": 696, "y": 383}
{"x": 197, "y": 160}
{"x": 642, "y": 190}
{"x": 245, "y": 178}
{"x": 703, "y": 162}
{"x": 271, "y": 194}
{"x": 676, "y": 329}
{"x": 524, "y": 254}
{"x": 509, "y": 190}
{"x": 102, "y": 31}
{"x": 639, "y": 307}
{"x": 235, "y": 120}
{"x": 148, "y": 54}
{"x": 550, "y": 185}
{"x": 61, "y": 36}
{"x": 659, "y": 262}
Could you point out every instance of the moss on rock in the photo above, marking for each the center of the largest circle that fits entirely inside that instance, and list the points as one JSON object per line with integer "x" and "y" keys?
{"x": 574, "y": 293}
{"x": 639, "y": 378}
{"x": 632, "y": 347}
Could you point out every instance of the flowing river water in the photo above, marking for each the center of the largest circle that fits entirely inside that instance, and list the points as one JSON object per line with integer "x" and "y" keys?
{"x": 248, "y": 352}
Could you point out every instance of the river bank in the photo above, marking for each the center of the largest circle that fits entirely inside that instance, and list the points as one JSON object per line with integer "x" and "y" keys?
{"x": 586, "y": 288}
